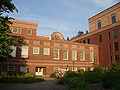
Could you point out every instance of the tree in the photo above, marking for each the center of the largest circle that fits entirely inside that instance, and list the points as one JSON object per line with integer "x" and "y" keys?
{"x": 68, "y": 38}
{"x": 6, "y": 40}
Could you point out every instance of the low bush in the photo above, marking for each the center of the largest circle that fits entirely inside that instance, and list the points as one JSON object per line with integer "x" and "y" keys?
{"x": 20, "y": 79}
{"x": 53, "y": 75}
{"x": 112, "y": 80}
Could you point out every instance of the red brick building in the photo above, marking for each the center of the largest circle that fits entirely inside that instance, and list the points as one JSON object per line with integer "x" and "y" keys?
{"x": 43, "y": 55}
{"x": 105, "y": 32}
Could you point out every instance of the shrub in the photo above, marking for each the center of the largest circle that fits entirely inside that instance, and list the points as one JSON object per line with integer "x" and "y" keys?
{"x": 115, "y": 67}
{"x": 99, "y": 69}
{"x": 112, "y": 80}
{"x": 53, "y": 75}
{"x": 29, "y": 75}
{"x": 93, "y": 77}
{"x": 71, "y": 74}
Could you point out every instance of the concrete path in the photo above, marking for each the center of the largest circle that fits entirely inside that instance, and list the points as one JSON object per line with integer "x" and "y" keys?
{"x": 48, "y": 84}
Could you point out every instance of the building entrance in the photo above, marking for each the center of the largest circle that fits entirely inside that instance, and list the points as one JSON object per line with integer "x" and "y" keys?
{"x": 39, "y": 71}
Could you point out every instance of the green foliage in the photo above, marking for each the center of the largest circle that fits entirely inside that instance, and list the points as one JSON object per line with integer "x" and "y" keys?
{"x": 93, "y": 77}
{"x": 53, "y": 75}
{"x": 99, "y": 69}
{"x": 71, "y": 74}
{"x": 7, "y": 6}
{"x": 6, "y": 40}
{"x": 112, "y": 80}
{"x": 18, "y": 77}
{"x": 115, "y": 67}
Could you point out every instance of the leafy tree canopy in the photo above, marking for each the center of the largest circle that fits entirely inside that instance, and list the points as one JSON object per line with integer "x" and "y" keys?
{"x": 6, "y": 40}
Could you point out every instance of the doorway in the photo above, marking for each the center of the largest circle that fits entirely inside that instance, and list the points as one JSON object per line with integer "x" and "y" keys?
{"x": 39, "y": 71}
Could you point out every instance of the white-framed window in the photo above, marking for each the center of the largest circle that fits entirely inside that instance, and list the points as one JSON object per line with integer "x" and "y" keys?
{"x": 11, "y": 68}
{"x": 46, "y": 51}
{"x": 74, "y": 69}
{"x": 16, "y": 30}
{"x": 23, "y": 69}
{"x": 29, "y": 32}
{"x": 36, "y": 50}
{"x": 14, "y": 51}
{"x": 91, "y": 57}
{"x": 82, "y": 55}
{"x": 74, "y": 55}
{"x": 65, "y": 54}
{"x": 66, "y": 68}
{"x": 56, "y": 53}
{"x": 24, "y": 52}
{"x": 82, "y": 68}
{"x": 91, "y": 68}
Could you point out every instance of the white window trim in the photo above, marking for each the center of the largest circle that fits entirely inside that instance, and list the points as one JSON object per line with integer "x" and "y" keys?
{"x": 82, "y": 68}
{"x": 92, "y": 61}
{"x": 37, "y": 49}
{"x": 75, "y": 69}
{"x": 13, "y": 53}
{"x": 75, "y": 57}
{"x": 30, "y": 32}
{"x": 21, "y": 69}
{"x": 48, "y": 53}
{"x": 67, "y": 56}
{"x": 83, "y": 56}
{"x": 58, "y": 53}
{"x": 9, "y": 69}
{"x": 23, "y": 54}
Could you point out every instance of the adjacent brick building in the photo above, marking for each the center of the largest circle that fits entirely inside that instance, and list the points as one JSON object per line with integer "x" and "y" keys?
{"x": 44, "y": 55}
{"x": 105, "y": 32}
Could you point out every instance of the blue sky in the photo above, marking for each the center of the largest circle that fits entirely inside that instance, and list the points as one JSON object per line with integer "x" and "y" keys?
{"x": 64, "y": 16}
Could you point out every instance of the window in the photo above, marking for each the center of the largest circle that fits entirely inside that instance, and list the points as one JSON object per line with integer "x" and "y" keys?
{"x": 116, "y": 46}
{"x": 15, "y": 30}
{"x": 14, "y": 51}
{"x": 74, "y": 55}
{"x": 36, "y": 50}
{"x": 115, "y": 34}
{"x": 110, "y": 59}
{"x": 11, "y": 68}
{"x": 24, "y": 52}
{"x": 113, "y": 18}
{"x": 88, "y": 41}
{"x": 100, "y": 38}
{"x": 82, "y": 56}
{"x": 74, "y": 69}
{"x": 84, "y": 41}
{"x": 99, "y": 24}
{"x": 23, "y": 69}
{"x": 29, "y": 32}
{"x": 92, "y": 57}
{"x": 65, "y": 54}
{"x": 117, "y": 58}
{"x": 82, "y": 68}
{"x": 110, "y": 47}
{"x": 56, "y": 53}
{"x": 46, "y": 51}
{"x": 109, "y": 36}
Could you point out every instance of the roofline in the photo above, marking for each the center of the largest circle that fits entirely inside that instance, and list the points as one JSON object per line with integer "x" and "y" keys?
{"x": 105, "y": 10}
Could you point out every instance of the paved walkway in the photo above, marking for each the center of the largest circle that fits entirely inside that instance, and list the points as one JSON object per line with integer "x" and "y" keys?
{"x": 48, "y": 84}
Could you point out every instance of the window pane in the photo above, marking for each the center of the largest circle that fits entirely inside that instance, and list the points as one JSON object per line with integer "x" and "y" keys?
{"x": 115, "y": 34}
{"x": 91, "y": 57}
{"x": 99, "y": 24}
{"x": 65, "y": 54}
{"x": 109, "y": 36}
{"x": 29, "y": 32}
{"x": 100, "y": 38}
{"x": 56, "y": 53}
{"x": 113, "y": 18}
{"x": 82, "y": 55}
{"x": 24, "y": 52}
{"x": 74, "y": 55}
{"x": 35, "y": 50}
{"x": 116, "y": 46}
{"x": 46, "y": 51}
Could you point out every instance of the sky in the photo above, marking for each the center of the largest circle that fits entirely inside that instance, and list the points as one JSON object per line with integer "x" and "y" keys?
{"x": 64, "y": 16}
